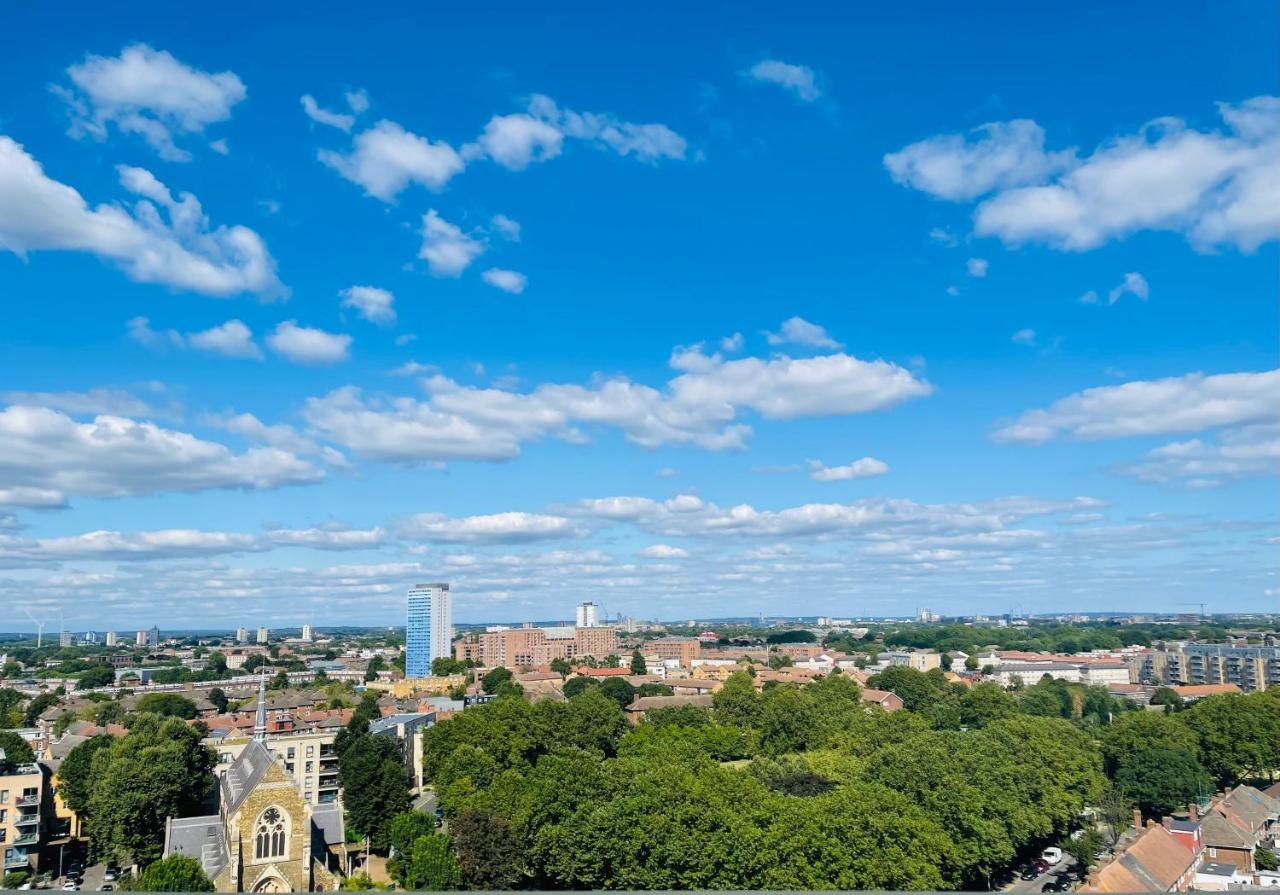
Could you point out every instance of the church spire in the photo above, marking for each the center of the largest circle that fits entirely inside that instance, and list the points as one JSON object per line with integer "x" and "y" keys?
{"x": 260, "y": 724}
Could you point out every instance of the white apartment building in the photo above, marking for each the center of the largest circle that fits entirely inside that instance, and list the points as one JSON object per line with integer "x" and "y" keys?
{"x": 588, "y": 615}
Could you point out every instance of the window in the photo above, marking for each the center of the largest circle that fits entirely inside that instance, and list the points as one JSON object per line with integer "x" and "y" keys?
{"x": 311, "y": 765}
{"x": 311, "y": 750}
{"x": 291, "y": 751}
{"x": 269, "y": 840}
{"x": 4, "y": 797}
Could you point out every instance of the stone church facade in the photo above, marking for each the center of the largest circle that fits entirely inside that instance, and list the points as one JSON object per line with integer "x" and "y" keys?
{"x": 265, "y": 837}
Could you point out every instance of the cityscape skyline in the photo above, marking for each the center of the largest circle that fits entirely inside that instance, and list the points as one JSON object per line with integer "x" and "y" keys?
{"x": 819, "y": 312}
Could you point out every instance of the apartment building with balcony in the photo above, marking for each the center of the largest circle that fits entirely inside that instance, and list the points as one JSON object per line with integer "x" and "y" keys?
{"x": 22, "y": 789}
{"x": 1250, "y": 668}
{"x": 308, "y": 755}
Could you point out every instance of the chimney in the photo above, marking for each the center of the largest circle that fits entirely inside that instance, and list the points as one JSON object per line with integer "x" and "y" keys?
{"x": 1137, "y": 820}
{"x": 1166, "y": 822}
{"x": 1193, "y": 812}
{"x": 1152, "y": 824}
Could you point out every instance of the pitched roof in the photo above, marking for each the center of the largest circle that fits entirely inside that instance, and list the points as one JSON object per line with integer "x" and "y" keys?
{"x": 1195, "y": 691}
{"x": 328, "y": 820}
{"x": 1235, "y": 821}
{"x": 648, "y": 703}
{"x": 891, "y": 702}
{"x": 244, "y": 774}
{"x": 198, "y": 837}
{"x": 1153, "y": 863}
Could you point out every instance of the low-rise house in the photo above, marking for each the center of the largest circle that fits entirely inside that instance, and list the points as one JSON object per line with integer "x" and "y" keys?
{"x": 1192, "y": 692}
{"x": 644, "y": 704}
{"x": 540, "y": 683}
{"x": 1146, "y": 860}
{"x": 890, "y": 702}
{"x": 1213, "y": 876}
{"x": 686, "y": 686}
{"x": 1236, "y": 824}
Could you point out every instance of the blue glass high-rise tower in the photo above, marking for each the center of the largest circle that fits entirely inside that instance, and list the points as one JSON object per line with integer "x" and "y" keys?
{"x": 428, "y": 628}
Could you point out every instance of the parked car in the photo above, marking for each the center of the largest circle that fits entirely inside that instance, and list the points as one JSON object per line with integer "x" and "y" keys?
{"x": 1056, "y": 885}
{"x": 1041, "y": 865}
{"x": 71, "y": 886}
{"x": 106, "y": 887}
{"x": 1031, "y": 872}
{"x": 1051, "y": 856}
{"x": 111, "y": 874}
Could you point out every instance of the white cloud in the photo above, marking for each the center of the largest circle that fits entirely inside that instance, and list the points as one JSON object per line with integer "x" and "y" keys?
{"x": 506, "y": 280}
{"x": 798, "y": 80}
{"x": 499, "y": 528}
{"x": 1214, "y": 187}
{"x": 116, "y": 457}
{"x": 327, "y": 537}
{"x": 304, "y": 345}
{"x": 1189, "y": 403}
{"x": 159, "y": 240}
{"x": 1246, "y": 452}
{"x": 505, "y": 227}
{"x": 386, "y": 158}
{"x": 1002, "y": 155}
{"x": 183, "y": 543}
{"x": 699, "y": 407}
{"x": 732, "y": 344}
{"x": 867, "y": 467}
{"x": 446, "y": 249}
{"x": 944, "y": 237}
{"x": 316, "y": 113}
{"x": 373, "y": 304}
{"x": 231, "y": 339}
{"x": 1133, "y": 284}
{"x": 149, "y": 93}
{"x": 664, "y": 551}
{"x": 647, "y": 142}
{"x": 109, "y": 401}
{"x": 798, "y": 331}
{"x": 977, "y": 267}
{"x": 357, "y": 101}
{"x": 515, "y": 141}
{"x": 1024, "y": 337}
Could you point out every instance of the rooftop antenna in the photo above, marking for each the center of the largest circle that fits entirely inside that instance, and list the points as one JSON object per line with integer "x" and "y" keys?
{"x": 39, "y": 627}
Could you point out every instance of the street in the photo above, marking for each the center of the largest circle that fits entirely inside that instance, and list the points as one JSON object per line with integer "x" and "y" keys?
{"x": 1066, "y": 866}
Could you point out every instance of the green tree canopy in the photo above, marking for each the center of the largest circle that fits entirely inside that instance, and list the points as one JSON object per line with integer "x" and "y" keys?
{"x": 1161, "y": 780}
{"x": 169, "y": 704}
{"x": 176, "y": 873}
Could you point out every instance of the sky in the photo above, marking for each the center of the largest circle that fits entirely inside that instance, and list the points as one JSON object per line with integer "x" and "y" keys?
{"x": 692, "y": 310}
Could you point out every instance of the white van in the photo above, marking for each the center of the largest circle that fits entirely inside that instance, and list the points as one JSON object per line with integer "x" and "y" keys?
{"x": 1051, "y": 856}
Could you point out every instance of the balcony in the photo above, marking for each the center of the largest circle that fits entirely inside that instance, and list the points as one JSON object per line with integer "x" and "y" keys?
{"x": 27, "y": 839}
{"x": 24, "y": 801}
{"x": 26, "y": 820}
{"x": 16, "y": 859}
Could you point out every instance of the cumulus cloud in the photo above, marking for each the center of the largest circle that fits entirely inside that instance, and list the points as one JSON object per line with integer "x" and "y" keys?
{"x": 506, "y": 280}
{"x": 386, "y": 158}
{"x": 148, "y": 93}
{"x": 304, "y": 345}
{"x": 499, "y": 528}
{"x": 106, "y": 400}
{"x": 373, "y": 304}
{"x": 117, "y": 457}
{"x": 446, "y": 249}
{"x": 664, "y": 551}
{"x": 505, "y": 227}
{"x": 867, "y": 467}
{"x": 798, "y": 331}
{"x": 183, "y": 543}
{"x": 1215, "y": 187}
{"x": 699, "y": 407}
{"x": 798, "y": 80}
{"x": 342, "y": 121}
{"x": 1134, "y": 284}
{"x": 231, "y": 339}
{"x": 159, "y": 239}
{"x": 977, "y": 267}
{"x": 1245, "y": 452}
{"x": 1189, "y": 403}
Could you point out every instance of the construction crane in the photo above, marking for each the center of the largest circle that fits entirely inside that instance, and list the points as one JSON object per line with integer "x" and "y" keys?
{"x": 1192, "y": 603}
{"x": 39, "y": 627}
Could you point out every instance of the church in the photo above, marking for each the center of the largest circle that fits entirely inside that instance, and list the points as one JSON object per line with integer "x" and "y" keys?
{"x": 265, "y": 836}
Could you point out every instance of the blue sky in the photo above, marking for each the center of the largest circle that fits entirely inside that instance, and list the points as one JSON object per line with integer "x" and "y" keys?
{"x": 688, "y": 311}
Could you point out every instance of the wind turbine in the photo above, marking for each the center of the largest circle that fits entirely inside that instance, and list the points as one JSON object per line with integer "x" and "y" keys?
{"x": 39, "y": 627}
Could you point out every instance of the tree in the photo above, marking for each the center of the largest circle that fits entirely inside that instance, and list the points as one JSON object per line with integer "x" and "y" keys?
{"x": 575, "y": 685}
{"x": 561, "y": 667}
{"x": 217, "y": 662}
{"x": 1168, "y": 697}
{"x": 75, "y": 774}
{"x": 443, "y": 666}
{"x": 253, "y": 663}
{"x": 1265, "y": 859}
{"x": 37, "y": 707}
{"x": 176, "y": 873}
{"x": 371, "y": 670}
{"x": 737, "y": 703}
{"x": 619, "y": 690}
{"x": 1161, "y": 780}
{"x": 971, "y": 663}
{"x": 219, "y": 699}
{"x": 168, "y": 704}
{"x": 430, "y": 865}
{"x": 791, "y": 637}
{"x": 1084, "y": 846}
{"x": 491, "y": 681}
{"x": 10, "y": 700}
{"x": 159, "y": 770}
{"x": 1239, "y": 736}
{"x": 491, "y": 855}
{"x": 279, "y": 682}
{"x": 638, "y": 665}
{"x": 1135, "y": 732}
{"x": 16, "y": 749}
{"x": 99, "y": 676}
{"x": 375, "y": 787}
